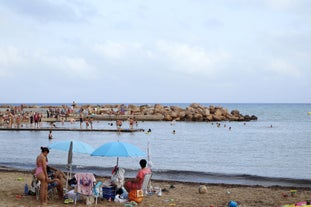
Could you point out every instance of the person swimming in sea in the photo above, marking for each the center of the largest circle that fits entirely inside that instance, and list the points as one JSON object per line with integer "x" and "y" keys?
{"x": 50, "y": 135}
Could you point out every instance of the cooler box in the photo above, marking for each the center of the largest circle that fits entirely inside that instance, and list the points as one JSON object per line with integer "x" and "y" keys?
{"x": 109, "y": 192}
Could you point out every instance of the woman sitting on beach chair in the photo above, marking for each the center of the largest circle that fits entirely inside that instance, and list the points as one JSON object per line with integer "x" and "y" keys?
{"x": 136, "y": 184}
{"x": 56, "y": 179}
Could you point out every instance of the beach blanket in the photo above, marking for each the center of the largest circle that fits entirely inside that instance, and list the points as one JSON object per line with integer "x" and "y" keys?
{"x": 85, "y": 182}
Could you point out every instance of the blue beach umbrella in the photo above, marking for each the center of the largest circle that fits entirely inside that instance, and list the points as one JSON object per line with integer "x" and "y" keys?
{"x": 77, "y": 146}
{"x": 72, "y": 146}
{"x": 118, "y": 149}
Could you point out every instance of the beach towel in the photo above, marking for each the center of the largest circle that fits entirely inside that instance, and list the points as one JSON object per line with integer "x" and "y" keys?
{"x": 85, "y": 182}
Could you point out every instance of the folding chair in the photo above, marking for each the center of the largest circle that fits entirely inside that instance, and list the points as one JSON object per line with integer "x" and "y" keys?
{"x": 146, "y": 184}
{"x": 97, "y": 191}
{"x": 35, "y": 184}
{"x": 52, "y": 189}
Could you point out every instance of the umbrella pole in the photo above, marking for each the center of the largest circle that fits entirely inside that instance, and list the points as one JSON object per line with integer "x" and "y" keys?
{"x": 68, "y": 175}
{"x": 67, "y": 182}
{"x": 117, "y": 161}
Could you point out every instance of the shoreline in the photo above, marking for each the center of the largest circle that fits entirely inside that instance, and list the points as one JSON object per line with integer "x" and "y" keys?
{"x": 189, "y": 177}
{"x": 183, "y": 194}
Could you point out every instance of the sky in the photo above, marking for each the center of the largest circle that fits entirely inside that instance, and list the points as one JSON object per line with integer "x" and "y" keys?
{"x": 155, "y": 51}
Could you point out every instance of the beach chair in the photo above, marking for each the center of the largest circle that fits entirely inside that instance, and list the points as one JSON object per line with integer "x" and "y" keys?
{"x": 97, "y": 191}
{"x": 146, "y": 184}
{"x": 35, "y": 185}
{"x": 52, "y": 189}
{"x": 86, "y": 187}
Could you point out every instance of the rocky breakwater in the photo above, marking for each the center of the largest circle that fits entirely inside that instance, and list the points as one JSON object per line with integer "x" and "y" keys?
{"x": 156, "y": 112}
{"x": 194, "y": 112}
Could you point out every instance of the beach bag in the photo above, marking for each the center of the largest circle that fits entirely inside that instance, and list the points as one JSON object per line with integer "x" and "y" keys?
{"x": 136, "y": 195}
{"x": 72, "y": 181}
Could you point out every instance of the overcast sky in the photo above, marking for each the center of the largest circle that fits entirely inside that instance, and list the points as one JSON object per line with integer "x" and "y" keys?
{"x": 155, "y": 51}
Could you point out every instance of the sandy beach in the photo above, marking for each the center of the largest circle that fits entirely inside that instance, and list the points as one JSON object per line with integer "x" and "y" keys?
{"x": 184, "y": 194}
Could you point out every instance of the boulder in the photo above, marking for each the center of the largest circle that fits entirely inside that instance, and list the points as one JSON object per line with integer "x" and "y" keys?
{"x": 197, "y": 117}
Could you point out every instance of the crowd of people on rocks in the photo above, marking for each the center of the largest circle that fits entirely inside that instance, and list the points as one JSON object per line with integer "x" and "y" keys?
{"x": 21, "y": 116}
{"x": 11, "y": 119}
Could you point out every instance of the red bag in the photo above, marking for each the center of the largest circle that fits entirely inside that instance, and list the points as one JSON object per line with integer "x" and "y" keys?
{"x": 136, "y": 195}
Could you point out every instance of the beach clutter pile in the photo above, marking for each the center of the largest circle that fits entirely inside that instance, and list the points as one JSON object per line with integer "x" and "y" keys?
{"x": 110, "y": 194}
{"x": 164, "y": 194}
{"x": 293, "y": 193}
{"x": 127, "y": 199}
{"x": 301, "y": 203}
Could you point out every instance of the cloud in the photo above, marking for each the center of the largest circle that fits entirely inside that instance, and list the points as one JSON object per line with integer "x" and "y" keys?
{"x": 164, "y": 56}
{"x": 191, "y": 59}
{"x": 226, "y": 45}
{"x": 50, "y": 10}
{"x": 15, "y": 62}
{"x": 281, "y": 4}
{"x": 117, "y": 50}
{"x": 281, "y": 68}
{"x": 79, "y": 67}
{"x": 10, "y": 57}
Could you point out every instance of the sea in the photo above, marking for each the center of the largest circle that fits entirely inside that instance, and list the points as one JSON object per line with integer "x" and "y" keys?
{"x": 274, "y": 150}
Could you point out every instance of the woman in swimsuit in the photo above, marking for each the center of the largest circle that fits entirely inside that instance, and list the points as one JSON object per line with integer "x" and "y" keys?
{"x": 42, "y": 175}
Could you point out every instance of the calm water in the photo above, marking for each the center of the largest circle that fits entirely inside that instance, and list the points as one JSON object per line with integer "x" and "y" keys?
{"x": 249, "y": 153}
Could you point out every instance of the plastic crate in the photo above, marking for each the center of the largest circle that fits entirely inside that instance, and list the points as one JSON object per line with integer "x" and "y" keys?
{"x": 109, "y": 192}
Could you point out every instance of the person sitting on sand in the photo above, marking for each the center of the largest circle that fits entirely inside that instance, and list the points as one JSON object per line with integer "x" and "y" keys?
{"x": 56, "y": 178}
{"x": 136, "y": 184}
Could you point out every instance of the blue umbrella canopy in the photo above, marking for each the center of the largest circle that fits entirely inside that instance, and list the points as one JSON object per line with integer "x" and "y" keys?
{"x": 77, "y": 146}
{"x": 118, "y": 149}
